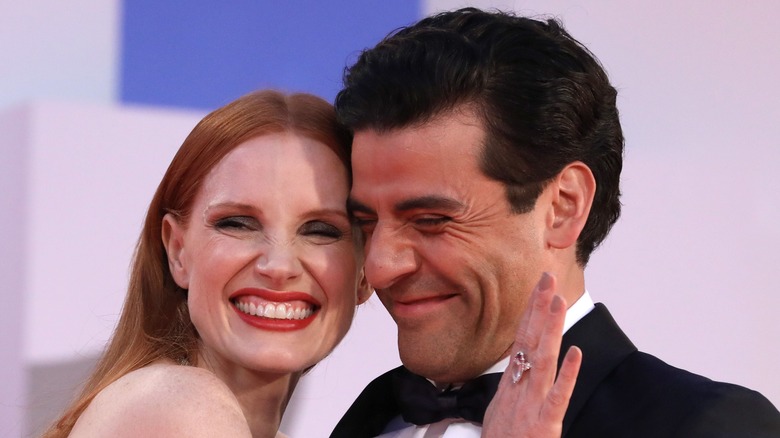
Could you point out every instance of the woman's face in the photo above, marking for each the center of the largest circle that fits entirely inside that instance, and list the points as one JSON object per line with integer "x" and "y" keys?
{"x": 268, "y": 256}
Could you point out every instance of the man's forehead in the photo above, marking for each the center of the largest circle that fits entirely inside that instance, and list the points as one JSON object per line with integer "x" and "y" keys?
{"x": 427, "y": 142}
{"x": 467, "y": 114}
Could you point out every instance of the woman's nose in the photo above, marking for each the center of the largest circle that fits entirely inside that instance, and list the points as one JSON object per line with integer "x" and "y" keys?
{"x": 279, "y": 263}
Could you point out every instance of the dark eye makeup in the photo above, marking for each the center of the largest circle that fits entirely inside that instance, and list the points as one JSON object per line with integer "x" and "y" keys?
{"x": 321, "y": 229}
{"x": 237, "y": 223}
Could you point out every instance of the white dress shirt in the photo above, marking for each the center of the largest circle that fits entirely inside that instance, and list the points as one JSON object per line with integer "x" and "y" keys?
{"x": 459, "y": 428}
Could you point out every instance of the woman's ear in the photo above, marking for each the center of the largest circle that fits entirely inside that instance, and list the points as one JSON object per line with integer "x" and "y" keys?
{"x": 364, "y": 290}
{"x": 573, "y": 190}
{"x": 173, "y": 240}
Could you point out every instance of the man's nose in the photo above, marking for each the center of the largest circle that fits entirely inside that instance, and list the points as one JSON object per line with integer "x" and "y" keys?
{"x": 390, "y": 256}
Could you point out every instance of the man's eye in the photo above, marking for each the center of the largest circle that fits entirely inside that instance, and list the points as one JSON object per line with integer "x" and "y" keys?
{"x": 431, "y": 221}
{"x": 321, "y": 229}
{"x": 365, "y": 224}
{"x": 237, "y": 223}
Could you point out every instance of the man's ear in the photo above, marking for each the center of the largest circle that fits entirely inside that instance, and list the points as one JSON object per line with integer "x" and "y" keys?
{"x": 572, "y": 195}
{"x": 173, "y": 240}
{"x": 364, "y": 290}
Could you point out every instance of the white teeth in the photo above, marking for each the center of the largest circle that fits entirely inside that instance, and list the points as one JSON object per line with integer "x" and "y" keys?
{"x": 274, "y": 311}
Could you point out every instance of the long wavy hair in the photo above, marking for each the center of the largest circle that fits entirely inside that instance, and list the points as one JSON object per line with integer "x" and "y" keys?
{"x": 155, "y": 322}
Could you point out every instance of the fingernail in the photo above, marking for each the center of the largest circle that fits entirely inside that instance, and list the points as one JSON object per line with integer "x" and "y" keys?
{"x": 572, "y": 353}
{"x": 546, "y": 281}
{"x": 557, "y": 304}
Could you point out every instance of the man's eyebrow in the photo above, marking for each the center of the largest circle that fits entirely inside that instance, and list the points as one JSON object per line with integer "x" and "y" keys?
{"x": 354, "y": 205}
{"x": 429, "y": 203}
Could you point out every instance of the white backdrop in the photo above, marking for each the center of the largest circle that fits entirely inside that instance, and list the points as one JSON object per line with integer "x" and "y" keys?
{"x": 688, "y": 270}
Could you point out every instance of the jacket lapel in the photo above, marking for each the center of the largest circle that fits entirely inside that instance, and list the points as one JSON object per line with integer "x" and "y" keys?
{"x": 371, "y": 411}
{"x": 604, "y": 346}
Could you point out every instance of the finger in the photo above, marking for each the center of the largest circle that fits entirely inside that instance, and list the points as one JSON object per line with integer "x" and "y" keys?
{"x": 558, "y": 398}
{"x": 545, "y": 356}
{"x": 535, "y": 314}
{"x": 526, "y": 335}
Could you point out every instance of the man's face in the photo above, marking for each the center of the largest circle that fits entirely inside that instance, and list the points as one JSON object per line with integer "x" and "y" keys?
{"x": 449, "y": 260}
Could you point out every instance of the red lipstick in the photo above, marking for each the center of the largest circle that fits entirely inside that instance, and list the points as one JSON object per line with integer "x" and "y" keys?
{"x": 261, "y": 298}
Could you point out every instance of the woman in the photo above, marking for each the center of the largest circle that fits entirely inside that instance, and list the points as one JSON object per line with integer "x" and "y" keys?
{"x": 247, "y": 273}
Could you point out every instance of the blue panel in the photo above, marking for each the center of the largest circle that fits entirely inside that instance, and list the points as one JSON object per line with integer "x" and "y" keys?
{"x": 204, "y": 53}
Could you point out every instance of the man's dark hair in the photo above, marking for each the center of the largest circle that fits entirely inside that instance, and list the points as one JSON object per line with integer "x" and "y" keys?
{"x": 543, "y": 98}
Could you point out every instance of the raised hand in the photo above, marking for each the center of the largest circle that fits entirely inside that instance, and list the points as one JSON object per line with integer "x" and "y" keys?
{"x": 530, "y": 401}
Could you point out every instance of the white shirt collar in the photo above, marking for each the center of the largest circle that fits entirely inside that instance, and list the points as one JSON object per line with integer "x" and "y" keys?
{"x": 578, "y": 310}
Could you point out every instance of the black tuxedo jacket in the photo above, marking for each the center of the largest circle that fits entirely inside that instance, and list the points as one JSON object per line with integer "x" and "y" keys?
{"x": 620, "y": 392}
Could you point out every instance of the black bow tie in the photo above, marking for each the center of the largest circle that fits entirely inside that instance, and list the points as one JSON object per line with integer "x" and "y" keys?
{"x": 421, "y": 403}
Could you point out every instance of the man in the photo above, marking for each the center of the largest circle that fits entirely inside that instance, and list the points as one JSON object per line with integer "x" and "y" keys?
{"x": 488, "y": 150}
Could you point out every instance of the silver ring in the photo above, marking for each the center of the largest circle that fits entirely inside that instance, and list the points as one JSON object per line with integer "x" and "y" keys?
{"x": 520, "y": 365}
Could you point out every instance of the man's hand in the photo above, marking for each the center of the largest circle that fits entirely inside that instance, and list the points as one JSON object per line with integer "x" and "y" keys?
{"x": 534, "y": 406}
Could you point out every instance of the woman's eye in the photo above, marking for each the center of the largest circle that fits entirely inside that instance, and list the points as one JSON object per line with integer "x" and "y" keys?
{"x": 321, "y": 229}
{"x": 236, "y": 223}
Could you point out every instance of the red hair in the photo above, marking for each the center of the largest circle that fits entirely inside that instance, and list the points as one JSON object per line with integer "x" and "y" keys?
{"x": 155, "y": 322}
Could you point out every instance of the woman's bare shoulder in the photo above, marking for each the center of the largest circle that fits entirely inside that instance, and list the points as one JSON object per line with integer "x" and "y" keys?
{"x": 164, "y": 400}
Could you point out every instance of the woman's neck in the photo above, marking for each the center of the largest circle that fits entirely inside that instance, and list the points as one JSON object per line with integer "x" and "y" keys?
{"x": 263, "y": 397}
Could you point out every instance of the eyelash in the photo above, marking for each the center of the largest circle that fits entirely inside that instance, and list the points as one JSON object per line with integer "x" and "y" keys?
{"x": 236, "y": 222}
{"x": 365, "y": 225}
{"x": 432, "y": 221}
{"x": 323, "y": 229}
{"x": 311, "y": 228}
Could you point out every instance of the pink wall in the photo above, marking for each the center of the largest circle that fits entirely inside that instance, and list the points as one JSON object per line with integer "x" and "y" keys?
{"x": 688, "y": 271}
{"x": 13, "y": 258}
{"x": 76, "y": 181}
